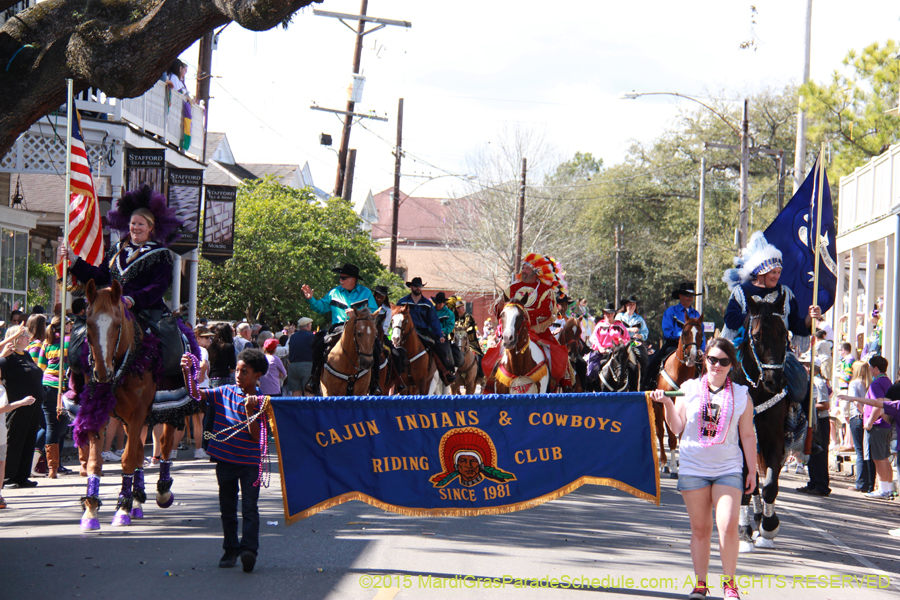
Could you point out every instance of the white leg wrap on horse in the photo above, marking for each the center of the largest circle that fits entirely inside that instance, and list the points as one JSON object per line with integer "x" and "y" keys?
{"x": 768, "y": 509}
{"x": 757, "y": 505}
{"x": 746, "y": 516}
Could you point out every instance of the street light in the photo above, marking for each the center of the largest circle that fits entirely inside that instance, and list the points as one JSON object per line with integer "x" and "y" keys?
{"x": 744, "y": 135}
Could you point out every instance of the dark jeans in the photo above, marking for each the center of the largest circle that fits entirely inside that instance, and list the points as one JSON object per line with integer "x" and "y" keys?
{"x": 818, "y": 463}
{"x": 865, "y": 469}
{"x": 229, "y": 475}
{"x": 442, "y": 351}
{"x": 56, "y": 427}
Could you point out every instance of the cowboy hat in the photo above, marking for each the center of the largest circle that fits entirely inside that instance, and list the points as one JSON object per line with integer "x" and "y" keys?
{"x": 610, "y": 307}
{"x": 439, "y": 298}
{"x": 350, "y": 270}
{"x": 381, "y": 290}
{"x": 685, "y": 288}
{"x": 416, "y": 282}
{"x": 631, "y": 298}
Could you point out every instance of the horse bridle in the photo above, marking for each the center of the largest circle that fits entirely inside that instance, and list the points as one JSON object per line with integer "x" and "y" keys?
{"x": 521, "y": 325}
{"x": 761, "y": 366}
{"x": 117, "y": 374}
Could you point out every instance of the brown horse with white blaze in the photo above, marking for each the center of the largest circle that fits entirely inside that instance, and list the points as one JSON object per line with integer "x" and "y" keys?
{"x": 114, "y": 342}
{"x": 523, "y": 368}
{"x": 681, "y": 365}
{"x": 348, "y": 368}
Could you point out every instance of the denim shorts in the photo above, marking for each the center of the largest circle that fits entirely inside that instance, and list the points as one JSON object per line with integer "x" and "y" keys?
{"x": 689, "y": 483}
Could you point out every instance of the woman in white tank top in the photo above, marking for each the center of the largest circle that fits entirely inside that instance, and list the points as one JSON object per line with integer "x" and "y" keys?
{"x": 712, "y": 416}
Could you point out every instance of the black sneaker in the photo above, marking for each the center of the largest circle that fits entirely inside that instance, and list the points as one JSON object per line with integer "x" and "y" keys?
{"x": 248, "y": 560}
{"x": 228, "y": 560}
{"x": 24, "y": 484}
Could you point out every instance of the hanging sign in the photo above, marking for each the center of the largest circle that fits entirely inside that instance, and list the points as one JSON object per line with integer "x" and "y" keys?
{"x": 218, "y": 223}
{"x": 183, "y": 195}
{"x": 145, "y": 166}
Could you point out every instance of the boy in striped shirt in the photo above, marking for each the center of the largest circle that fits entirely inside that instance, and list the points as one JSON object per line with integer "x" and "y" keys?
{"x": 237, "y": 458}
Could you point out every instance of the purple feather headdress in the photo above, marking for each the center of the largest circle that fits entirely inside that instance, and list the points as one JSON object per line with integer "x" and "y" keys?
{"x": 165, "y": 230}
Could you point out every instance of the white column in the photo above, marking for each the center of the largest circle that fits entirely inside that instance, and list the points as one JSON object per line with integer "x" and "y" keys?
{"x": 838, "y": 311}
{"x": 889, "y": 331}
{"x": 853, "y": 302}
{"x": 176, "y": 282}
{"x": 871, "y": 292}
{"x": 892, "y": 322}
{"x": 192, "y": 301}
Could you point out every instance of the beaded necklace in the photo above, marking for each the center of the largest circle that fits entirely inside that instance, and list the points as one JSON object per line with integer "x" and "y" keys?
{"x": 723, "y": 420}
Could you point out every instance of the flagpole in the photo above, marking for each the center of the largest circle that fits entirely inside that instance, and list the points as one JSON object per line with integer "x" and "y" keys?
{"x": 65, "y": 262}
{"x": 807, "y": 449}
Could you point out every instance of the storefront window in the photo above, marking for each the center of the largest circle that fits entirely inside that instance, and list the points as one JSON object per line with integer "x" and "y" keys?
{"x": 13, "y": 271}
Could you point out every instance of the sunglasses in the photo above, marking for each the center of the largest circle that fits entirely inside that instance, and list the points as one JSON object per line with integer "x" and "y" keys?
{"x": 345, "y": 277}
{"x": 715, "y": 360}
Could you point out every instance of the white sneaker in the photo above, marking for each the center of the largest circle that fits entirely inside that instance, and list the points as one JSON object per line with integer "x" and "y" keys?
{"x": 173, "y": 454}
{"x": 800, "y": 470}
{"x": 880, "y": 494}
{"x": 120, "y": 452}
{"x": 110, "y": 457}
{"x": 894, "y": 532}
{"x": 147, "y": 462}
{"x": 200, "y": 453}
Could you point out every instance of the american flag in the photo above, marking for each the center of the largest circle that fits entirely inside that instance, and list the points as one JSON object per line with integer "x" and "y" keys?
{"x": 85, "y": 230}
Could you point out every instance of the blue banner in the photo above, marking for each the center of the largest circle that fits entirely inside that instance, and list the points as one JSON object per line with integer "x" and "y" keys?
{"x": 793, "y": 231}
{"x": 461, "y": 455}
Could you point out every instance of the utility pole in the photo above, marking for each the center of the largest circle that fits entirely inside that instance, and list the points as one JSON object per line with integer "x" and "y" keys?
{"x": 520, "y": 218}
{"x": 745, "y": 172}
{"x": 800, "y": 146}
{"x": 348, "y": 180}
{"x": 701, "y": 236}
{"x": 395, "y": 199}
{"x": 616, "y": 299}
{"x": 204, "y": 75}
{"x": 360, "y": 31}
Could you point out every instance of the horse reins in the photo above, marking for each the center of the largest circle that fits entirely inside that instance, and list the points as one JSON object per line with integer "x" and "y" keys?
{"x": 761, "y": 366}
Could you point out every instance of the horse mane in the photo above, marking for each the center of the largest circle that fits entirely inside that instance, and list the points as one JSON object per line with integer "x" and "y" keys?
{"x": 103, "y": 304}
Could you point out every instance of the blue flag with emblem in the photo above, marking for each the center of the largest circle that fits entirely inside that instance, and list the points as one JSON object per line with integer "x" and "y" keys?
{"x": 461, "y": 455}
{"x": 793, "y": 231}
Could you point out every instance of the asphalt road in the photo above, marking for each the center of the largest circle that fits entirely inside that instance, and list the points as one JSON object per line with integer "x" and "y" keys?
{"x": 614, "y": 545}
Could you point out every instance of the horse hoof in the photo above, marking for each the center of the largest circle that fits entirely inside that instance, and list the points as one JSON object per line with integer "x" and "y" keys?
{"x": 762, "y": 542}
{"x": 165, "y": 501}
{"x": 90, "y": 524}
{"x": 137, "y": 512}
{"x": 745, "y": 547}
{"x": 122, "y": 519}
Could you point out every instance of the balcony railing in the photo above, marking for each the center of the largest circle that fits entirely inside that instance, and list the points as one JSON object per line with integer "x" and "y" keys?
{"x": 871, "y": 192}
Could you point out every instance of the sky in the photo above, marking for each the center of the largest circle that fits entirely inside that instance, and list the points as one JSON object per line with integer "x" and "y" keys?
{"x": 469, "y": 69}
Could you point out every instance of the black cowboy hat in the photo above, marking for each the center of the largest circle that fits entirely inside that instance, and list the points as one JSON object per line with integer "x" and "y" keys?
{"x": 416, "y": 282}
{"x": 439, "y": 298}
{"x": 381, "y": 290}
{"x": 561, "y": 297}
{"x": 685, "y": 288}
{"x": 610, "y": 307}
{"x": 631, "y": 298}
{"x": 350, "y": 270}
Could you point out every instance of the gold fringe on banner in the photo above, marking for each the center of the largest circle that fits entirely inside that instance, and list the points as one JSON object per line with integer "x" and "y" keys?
{"x": 464, "y": 512}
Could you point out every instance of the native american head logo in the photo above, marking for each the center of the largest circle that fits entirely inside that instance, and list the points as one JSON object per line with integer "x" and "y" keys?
{"x": 469, "y": 455}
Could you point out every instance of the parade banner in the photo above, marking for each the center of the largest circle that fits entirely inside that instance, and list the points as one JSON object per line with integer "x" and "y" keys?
{"x": 145, "y": 166}
{"x": 461, "y": 455}
{"x": 183, "y": 195}
{"x": 218, "y": 223}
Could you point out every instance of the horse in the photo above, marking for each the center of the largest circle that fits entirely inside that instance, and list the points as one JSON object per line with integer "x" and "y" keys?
{"x": 348, "y": 367}
{"x": 123, "y": 383}
{"x": 522, "y": 368}
{"x": 681, "y": 365}
{"x": 763, "y": 353}
{"x": 570, "y": 336}
{"x": 468, "y": 371}
{"x": 422, "y": 376}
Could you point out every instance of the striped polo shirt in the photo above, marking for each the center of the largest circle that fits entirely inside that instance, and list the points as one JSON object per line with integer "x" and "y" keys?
{"x": 230, "y": 410}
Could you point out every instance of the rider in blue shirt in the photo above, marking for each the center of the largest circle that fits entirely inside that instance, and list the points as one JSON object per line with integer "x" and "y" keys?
{"x": 428, "y": 326}
{"x": 337, "y": 302}
{"x": 675, "y": 314}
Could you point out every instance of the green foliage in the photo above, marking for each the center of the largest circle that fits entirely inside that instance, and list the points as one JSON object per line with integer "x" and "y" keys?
{"x": 848, "y": 114}
{"x": 582, "y": 166}
{"x": 39, "y": 278}
{"x": 285, "y": 238}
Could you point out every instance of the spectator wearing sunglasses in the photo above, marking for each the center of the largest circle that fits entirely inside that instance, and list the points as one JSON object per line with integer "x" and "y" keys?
{"x": 712, "y": 417}
{"x": 336, "y": 302}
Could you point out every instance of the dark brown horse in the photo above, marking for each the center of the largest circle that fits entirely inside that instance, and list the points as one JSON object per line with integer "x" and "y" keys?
{"x": 569, "y": 335}
{"x": 114, "y": 341}
{"x": 468, "y": 371}
{"x": 348, "y": 368}
{"x": 681, "y": 365}
{"x": 522, "y": 369}
{"x": 422, "y": 375}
